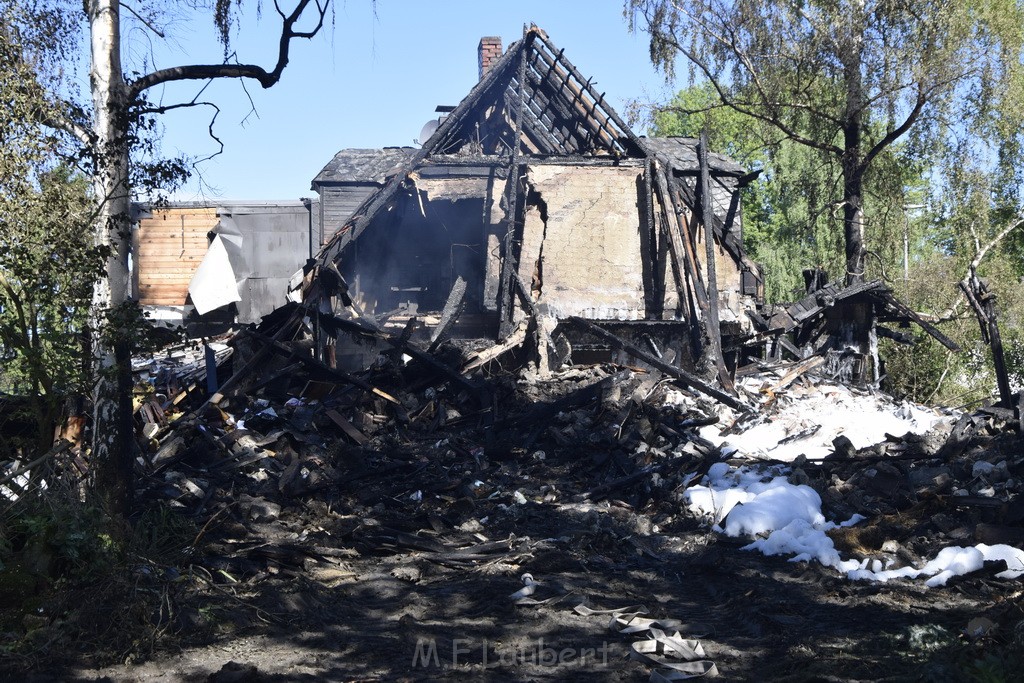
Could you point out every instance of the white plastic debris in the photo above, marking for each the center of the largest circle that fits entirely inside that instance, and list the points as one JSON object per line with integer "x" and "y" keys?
{"x": 528, "y": 589}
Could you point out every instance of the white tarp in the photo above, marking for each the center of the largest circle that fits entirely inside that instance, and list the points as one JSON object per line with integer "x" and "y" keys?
{"x": 217, "y": 280}
{"x": 213, "y": 284}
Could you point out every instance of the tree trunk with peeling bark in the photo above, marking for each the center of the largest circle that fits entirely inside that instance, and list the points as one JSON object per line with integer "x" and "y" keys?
{"x": 113, "y": 97}
{"x": 112, "y": 441}
{"x": 852, "y": 160}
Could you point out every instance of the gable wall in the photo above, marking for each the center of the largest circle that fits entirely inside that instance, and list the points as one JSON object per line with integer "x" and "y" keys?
{"x": 339, "y": 202}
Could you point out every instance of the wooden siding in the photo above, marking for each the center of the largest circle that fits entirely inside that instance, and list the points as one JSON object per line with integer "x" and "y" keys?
{"x": 339, "y": 202}
{"x": 170, "y": 243}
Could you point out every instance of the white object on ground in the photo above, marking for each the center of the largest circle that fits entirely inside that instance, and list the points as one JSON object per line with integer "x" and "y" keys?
{"x": 787, "y": 519}
{"x": 823, "y": 412}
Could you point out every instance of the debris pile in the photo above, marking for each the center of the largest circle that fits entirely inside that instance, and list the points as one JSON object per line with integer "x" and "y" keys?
{"x": 929, "y": 483}
{"x": 466, "y": 459}
{"x": 414, "y": 444}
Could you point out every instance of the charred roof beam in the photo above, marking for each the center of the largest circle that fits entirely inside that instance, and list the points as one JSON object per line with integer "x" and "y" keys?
{"x": 631, "y": 143}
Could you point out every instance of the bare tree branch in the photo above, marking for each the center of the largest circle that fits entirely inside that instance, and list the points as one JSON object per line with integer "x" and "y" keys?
{"x": 1010, "y": 227}
{"x": 742, "y": 108}
{"x": 145, "y": 22}
{"x": 59, "y": 121}
{"x": 255, "y": 72}
{"x": 951, "y": 312}
{"x": 898, "y": 131}
{"x": 252, "y": 105}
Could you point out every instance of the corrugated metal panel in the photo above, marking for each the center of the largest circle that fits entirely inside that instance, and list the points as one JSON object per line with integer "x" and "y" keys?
{"x": 274, "y": 251}
{"x": 261, "y": 296}
{"x": 169, "y": 244}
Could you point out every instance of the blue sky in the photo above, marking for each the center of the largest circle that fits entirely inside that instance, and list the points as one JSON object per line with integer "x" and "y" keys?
{"x": 372, "y": 80}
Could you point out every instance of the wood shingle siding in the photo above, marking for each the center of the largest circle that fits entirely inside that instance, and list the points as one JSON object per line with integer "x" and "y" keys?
{"x": 339, "y": 202}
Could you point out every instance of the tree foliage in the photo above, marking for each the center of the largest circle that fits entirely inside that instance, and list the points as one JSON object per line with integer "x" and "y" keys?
{"x": 790, "y": 220}
{"x": 910, "y": 112}
{"x": 113, "y": 127}
{"x": 850, "y": 79}
{"x": 47, "y": 260}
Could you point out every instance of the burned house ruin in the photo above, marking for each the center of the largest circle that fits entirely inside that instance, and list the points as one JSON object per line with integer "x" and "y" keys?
{"x": 531, "y": 216}
{"x": 532, "y": 200}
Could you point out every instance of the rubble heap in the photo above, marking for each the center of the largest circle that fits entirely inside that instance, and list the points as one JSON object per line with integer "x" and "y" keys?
{"x": 429, "y": 465}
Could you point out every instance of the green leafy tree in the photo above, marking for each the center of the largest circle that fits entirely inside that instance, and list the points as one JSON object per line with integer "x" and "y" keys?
{"x": 790, "y": 219}
{"x": 848, "y": 79}
{"x": 48, "y": 262}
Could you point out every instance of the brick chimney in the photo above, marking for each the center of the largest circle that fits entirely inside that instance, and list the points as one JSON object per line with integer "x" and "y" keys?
{"x": 488, "y": 52}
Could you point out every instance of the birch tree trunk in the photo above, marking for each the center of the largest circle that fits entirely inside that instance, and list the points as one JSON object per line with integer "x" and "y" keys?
{"x": 853, "y": 132}
{"x": 111, "y": 328}
{"x": 112, "y": 441}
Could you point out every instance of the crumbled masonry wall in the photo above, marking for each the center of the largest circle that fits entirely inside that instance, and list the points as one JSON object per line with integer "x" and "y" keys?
{"x": 728, "y": 278}
{"x": 495, "y": 229}
{"x": 581, "y": 244}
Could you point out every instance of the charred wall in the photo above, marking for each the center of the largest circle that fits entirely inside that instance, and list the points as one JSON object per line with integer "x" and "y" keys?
{"x": 437, "y": 233}
{"x": 581, "y": 248}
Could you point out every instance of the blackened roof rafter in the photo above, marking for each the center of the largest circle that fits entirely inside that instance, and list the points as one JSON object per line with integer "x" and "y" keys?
{"x": 571, "y": 96}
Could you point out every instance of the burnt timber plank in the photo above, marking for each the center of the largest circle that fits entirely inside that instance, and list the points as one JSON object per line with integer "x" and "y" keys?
{"x": 320, "y": 366}
{"x": 288, "y": 327}
{"x": 695, "y": 274}
{"x": 395, "y": 341}
{"x": 347, "y": 427}
{"x": 925, "y": 325}
{"x": 682, "y": 257}
{"x": 679, "y": 375}
{"x": 510, "y": 263}
{"x": 706, "y": 211}
{"x": 680, "y": 264}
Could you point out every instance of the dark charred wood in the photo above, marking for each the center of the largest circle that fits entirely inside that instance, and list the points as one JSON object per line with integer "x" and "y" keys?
{"x": 895, "y": 336}
{"x": 686, "y": 379}
{"x": 714, "y": 328}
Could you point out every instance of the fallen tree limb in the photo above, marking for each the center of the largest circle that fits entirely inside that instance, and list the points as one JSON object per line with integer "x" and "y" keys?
{"x": 950, "y": 313}
{"x": 57, "y": 449}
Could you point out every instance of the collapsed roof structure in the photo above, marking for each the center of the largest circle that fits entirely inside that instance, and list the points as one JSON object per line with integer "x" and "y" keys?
{"x": 534, "y": 205}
